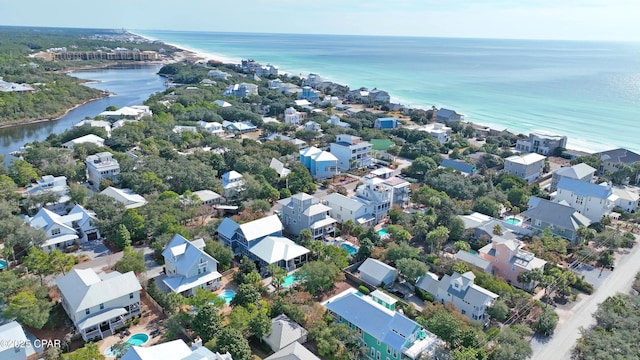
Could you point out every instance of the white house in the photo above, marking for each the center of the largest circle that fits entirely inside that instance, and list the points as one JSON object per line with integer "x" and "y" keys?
{"x": 379, "y": 195}
{"x": 98, "y": 305}
{"x": 627, "y": 198}
{"x": 217, "y": 74}
{"x": 542, "y": 143}
{"x": 293, "y": 116}
{"x": 284, "y": 332}
{"x": 377, "y": 273}
{"x": 127, "y": 197}
{"x": 62, "y": 231}
{"x": 222, "y": 103}
{"x": 335, "y": 120}
{"x": 136, "y": 112}
{"x": 582, "y": 172}
{"x": 232, "y": 183}
{"x": 51, "y": 184}
{"x": 208, "y": 197}
{"x": 471, "y": 299}
{"x": 345, "y": 208}
{"x": 102, "y": 166}
{"x": 179, "y": 129}
{"x": 591, "y": 200}
{"x": 174, "y": 350}
{"x": 241, "y": 90}
{"x": 11, "y": 335}
{"x": 279, "y": 167}
{"x": 313, "y": 126}
{"x": 105, "y": 125}
{"x": 213, "y": 127}
{"x": 528, "y": 166}
{"x": 278, "y": 250}
{"x": 188, "y": 267}
{"x": 352, "y": 152}
{"x": 438, "y": 131}
{"x": 87, "y": 139}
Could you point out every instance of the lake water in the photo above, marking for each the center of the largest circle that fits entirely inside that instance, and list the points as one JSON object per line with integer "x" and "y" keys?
{"x": 131, "y": 86}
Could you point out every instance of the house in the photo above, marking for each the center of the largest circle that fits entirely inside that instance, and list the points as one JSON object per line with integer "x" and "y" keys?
{"x": 122, "y": 122}
{"x": 222, "y": 103}
{"x": 232, "y": 183}
{"x": 55, "y": 185}
{"x": 278, "y": 166}
{"x": 87, "y": 139}
{"x": 188, "y": 267}
{"x": 628, "y": 198}
{"x": 239, "y": 127}
{"x": 297, "y": 142}
{"x": 581, "y": 172}
{"x": 302, "y": 211}
{"x": 439, "y": 131}
{"x": 400, "y": 190}
{"x": 459, "y": 290}
{"x": 312, "y": 80}
{"x": 127, "y": 197}
{"x": 174, "y": 350}
{"x": 14, "y": 342}
{"x": 102, "y": 166}
{"x": 385, "y": 333}
{"x": 542, "y": 143}
{"x": 213, "y": 127}
{"x": 591, "y": 200}
{"x": 105, "y": 125}
{"x": 280, "y": 251}
{"x": 310, "y": 94}
{"x": 267, "y": 70}
{"x": 293, "y": 116}
{"x": 207, "y": 197}
{"x": 241, "y": 90}
{"x": 241, "y": 237}
{"x": 99, "y": 305}
{"x": 179, "y": 129}
{"x": 345, "y": 208}
{"x": 377, "y": 273}
{"x": 508, "y": 259}
{"x": 321, "y": 164}
{"x": 562, "y": 219}
{"x": 614, "y": 160}
{"x": 136, "y": 112}
{"x": 374, "y": 191}
{"x": 359, "y": 95}
{"x": 217, "y": 74}
{"x": 386, "y": 123}
{"x": 352, "y": 152}
{"x": 379, "y": 97}
{"x": 473, "y": 260}
{"x": 335, "y": 120}
{"x": 459, "y": 166}
{"x": 448, "y": 116}
{"x": 293, "y": 351}
{"x": 313, "y": 126}
{"x": 62, "y": 231}
{"x": 6, "y": 86}
{"x": 528, "y": 166}
{"x": 284, "y": 332}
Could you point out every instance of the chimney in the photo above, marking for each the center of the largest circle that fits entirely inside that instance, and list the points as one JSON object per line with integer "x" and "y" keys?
{"x": 197, "y": 343}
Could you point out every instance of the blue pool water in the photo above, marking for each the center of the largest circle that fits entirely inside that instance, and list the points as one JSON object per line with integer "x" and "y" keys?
{"x": 512, "y": 220}
{"x": 382, "y": 232}
{"x": 350, "y": 249}
{"x": 227, "y": 295}
{"x": 289, "y": 280}
{"x": 138, "y": 339}
{"x": 3, "y": 264}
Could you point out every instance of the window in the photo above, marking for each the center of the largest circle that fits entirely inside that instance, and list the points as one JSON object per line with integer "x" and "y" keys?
{"x": 579, "y": 199}
{"x": 378, "y": 355}
{"x": 87, "y": 311}
{"x": 131, "y": 296}
{"x": 101, "y": 306}
{"x": 55, "y": 231}
{"x": 388, "y": 350}
{"x": 373, "y": 352}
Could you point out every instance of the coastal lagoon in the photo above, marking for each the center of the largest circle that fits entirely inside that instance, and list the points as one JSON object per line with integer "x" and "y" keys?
{"x": 589, "y": 91}
{"x": 131, "y": 85}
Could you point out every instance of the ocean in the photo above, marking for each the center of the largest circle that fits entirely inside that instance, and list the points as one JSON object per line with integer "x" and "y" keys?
{"x": 589, "y": 91}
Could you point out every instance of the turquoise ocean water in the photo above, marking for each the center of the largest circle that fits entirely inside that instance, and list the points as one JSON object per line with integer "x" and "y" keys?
{"x": 589, "y": 91}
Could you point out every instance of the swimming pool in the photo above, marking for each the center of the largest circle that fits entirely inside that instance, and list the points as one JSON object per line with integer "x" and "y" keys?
{"x": 350, "y": 249}
{"x": 289, "y": 280}
{"x": 227, "y": 295}
{"x": 3, "y": 264}
{"x": 382, "y": 232}
{"x": 138, "y": 339}
{"x": 513, "y": 220}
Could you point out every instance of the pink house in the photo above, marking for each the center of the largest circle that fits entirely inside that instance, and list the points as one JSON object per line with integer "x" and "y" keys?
{"x": 508, "y": 259}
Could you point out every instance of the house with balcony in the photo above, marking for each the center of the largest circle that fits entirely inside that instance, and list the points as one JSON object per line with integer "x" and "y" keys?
{"x": 312, "y": 126}
{"x": 591, "y": 200}
{"x": 241, "y": 90}
{"x": 303, "y": 211}
{"x": 188, "y": 267}
{"x": 280, "y": 251}
{"x": 218, "y": 74}
{"x": 528, "y": 166}
{"x": 12, "y": 334}
{"x": 563, "y": 220}
{"x": 321, "y": 164}
{"x": 99, "y": 304}
{"x": 49, "y": 184}
{"x": 580, "y": 172}
{"x": 386, "y": 123}
{"x": 384, "y": 333}
{"x": 614, "y": 160}
{"x": 174, "y": 350}
{"x": 508, "y": 259}
{"x": 310, "y": 94}
{"x": 459, "y": 290}
{"x": 374, "y": 191}
{"x": 78, "y": 226}
{"x": 212, "y": 127}
{"x": 241, "y": 237}
{"x": 232, "y": 183}
{"x": 293, "y": 116}
{"x": 239, "y": 127}
{"x": 354, "y": 208}
{"x": 448, "y": 116}
{"x": 400, "y": 190}
{"x": 439, "y": 131}
{"x": 627, "y": 197}
{"x": 541, "y": 143}
{"x": 102, "y": 166}
{"x": 101, "y": 124}
{"x": 379, "y": 97}
{"x": 352, "y": 152}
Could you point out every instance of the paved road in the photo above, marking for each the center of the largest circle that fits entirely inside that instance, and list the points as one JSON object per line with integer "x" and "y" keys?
{"x": 580, "y": 316}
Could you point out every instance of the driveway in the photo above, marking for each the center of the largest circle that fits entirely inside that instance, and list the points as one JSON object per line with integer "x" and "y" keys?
{"x": 561, "y": 344}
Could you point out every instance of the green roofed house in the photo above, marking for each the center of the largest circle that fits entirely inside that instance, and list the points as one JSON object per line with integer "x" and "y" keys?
{"x": 385, "y": 333}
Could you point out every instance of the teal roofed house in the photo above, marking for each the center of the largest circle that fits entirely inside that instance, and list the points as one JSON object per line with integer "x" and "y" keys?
{"x": 386, "y": 334}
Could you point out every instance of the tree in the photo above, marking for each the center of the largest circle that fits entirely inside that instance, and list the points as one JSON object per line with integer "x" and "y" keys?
{"x": 547, "y": 321}
{"x": 497, "y": 230}
{"x": 586, "y": 234}
{"x": 206, "y": 323}
{"x": 335, "y": 340}
{"x": 78, "y": 194}
{"x": 123, "y": 237}
{"x": 461, "y": 245}
{"x": 499, "y": 310}
{"x": 28, "y": 309}
{"x": 318, "y": 276}
{"x": 437, "y": 237}
{"x": 366, "y": 249}
{"x": 223, "y": 254}
{"x": 305, "y": 236}
{"x": 232, "y": 341}
{"x": 134, "y": 222}
{"x": 260, "y": 325}
{"x": 203, "y": 297}
{"x": 511, "y": 346}
{"x": 277, "y": 275}
{"x": 487, "y": 206}
{"x": 38, "y": 262}
{"x": 246, "y": 294}
{"x": 22, "y": 172}
{"x": 61, "y": 262}
{"x": 396, "y": 252}
{"x": 90, "y": 351}
{"x": 132, "y": 260}
{"x": 412, "y": 269}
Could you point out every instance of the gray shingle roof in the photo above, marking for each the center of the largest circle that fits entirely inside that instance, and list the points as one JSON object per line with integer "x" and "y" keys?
{"x": 376, "y": 269}
{"x": 577, "y": 171}
{"x": 559, "y": 215}
{"x": 284, "y": 332}
{"x": 620, "y": 156}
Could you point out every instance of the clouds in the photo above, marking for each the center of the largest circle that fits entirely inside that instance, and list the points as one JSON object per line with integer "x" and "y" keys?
{"x": 533, "y": 19}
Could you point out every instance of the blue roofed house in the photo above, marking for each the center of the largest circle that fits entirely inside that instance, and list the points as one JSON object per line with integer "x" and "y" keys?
{"x": 459, "y": 166}
{"x": 188, "y": 267}
{"x": 321, "y": 164}
{"x": 386, "y": 123}
{"x": 448, "y": 116}
{"x": 241, "y": 237}
{"x": 582, "y": 172}
{"x": 377, "y": 273}
{"x": 590, "y": 200}
{"x": 385, "y": 333}
{"x": 459, "y": 289}
{"x": 560, "y": 218}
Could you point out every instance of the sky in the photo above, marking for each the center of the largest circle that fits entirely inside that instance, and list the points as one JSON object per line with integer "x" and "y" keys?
{"x": 510, "y": 19}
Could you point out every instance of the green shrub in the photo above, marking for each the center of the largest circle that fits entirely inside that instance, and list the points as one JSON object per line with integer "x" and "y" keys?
{"x": 363, "y": 289}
